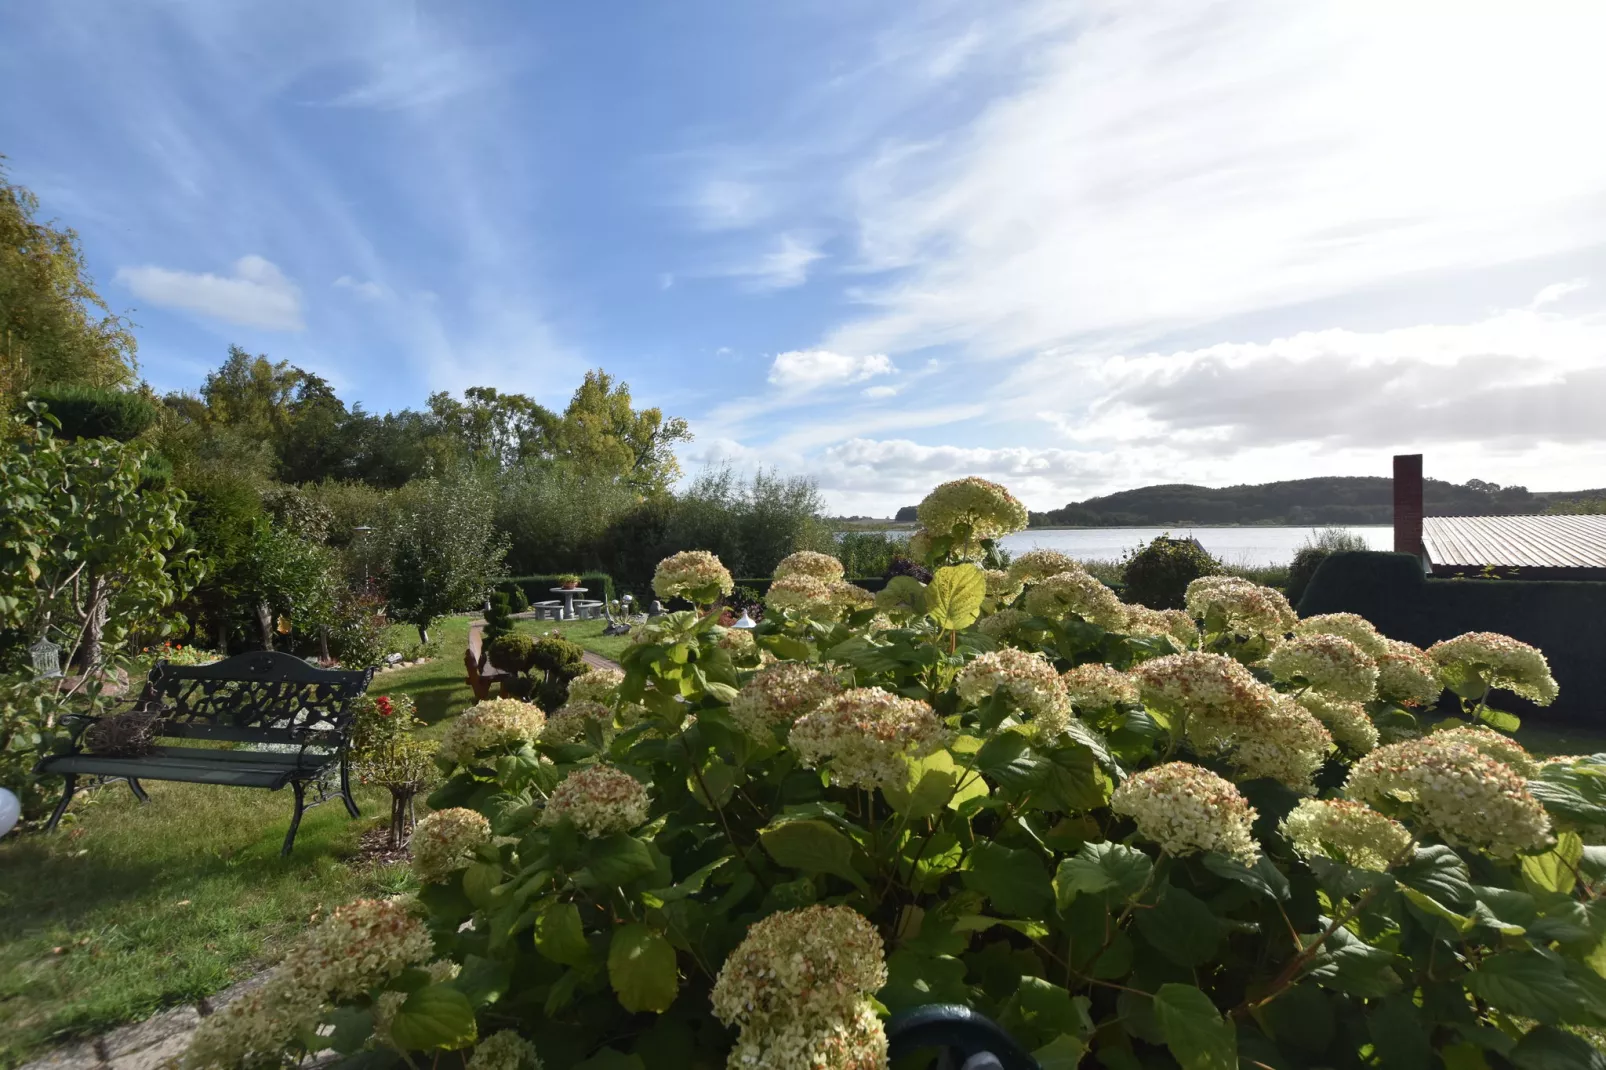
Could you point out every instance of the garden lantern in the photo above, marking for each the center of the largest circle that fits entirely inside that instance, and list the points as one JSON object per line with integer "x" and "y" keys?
{"x": 744, "y": 622}
{"x": 46, "y": 659}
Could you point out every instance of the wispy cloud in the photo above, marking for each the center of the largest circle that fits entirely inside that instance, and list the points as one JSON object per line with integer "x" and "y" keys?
{"x": 368, "y": 289}
{"x": 784, "y": 266}
{"x": 257, "y": 294}
{"x": 808, "y": 369}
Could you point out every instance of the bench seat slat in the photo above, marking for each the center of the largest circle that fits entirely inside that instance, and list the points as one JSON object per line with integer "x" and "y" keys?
{"x": 261, "y": 769}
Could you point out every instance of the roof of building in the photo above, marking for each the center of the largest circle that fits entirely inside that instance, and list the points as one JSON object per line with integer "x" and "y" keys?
{"x": 1515, "y": 541}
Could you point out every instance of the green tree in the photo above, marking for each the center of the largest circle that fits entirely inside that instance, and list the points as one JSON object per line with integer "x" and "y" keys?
{"x": 601, "y": 434}
{"x": 443, "y": 548}
{"x": 54, "y": 326}
{"x": 493, "y": 429}
{"x": 287, "y": 576}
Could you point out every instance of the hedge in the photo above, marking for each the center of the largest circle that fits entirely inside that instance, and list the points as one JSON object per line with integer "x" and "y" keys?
{"x": 538, "y": 588}
{"x": 1563, "y": 618}
{"x": 761, "y": 584}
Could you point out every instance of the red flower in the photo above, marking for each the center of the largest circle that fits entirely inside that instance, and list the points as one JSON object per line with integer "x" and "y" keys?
{"x": 382, "y": 703}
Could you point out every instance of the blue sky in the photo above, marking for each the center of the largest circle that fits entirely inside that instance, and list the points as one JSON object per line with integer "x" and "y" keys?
{"x": 1071, "y": 246}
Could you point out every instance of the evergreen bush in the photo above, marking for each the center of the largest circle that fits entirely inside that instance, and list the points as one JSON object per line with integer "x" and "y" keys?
{"x": 1158, "y": 575}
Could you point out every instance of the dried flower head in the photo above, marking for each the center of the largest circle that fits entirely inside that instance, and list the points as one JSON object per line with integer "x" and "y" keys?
{"x": 846, "y": 597}
{"x": 1002, "y": 586}
{"x": 362, "y": 944}
{"x": 869, "y": 736}
{"x": 811, "y": 965}
{"x": 598, "y": 684}
{"x": 500, "y": 723}
{"x": 780, "y": 694}
{"x": 1240, "y": 606}
{"x": 853, "y": 1041}
{"x": 1187, "y": 809}
{"x": 1348, "y": 722}
{"x": 1285, "y": 743}
{"x": 1347, "y": 831}
{"x": 1501, "y": 748}
{"x": 695, "y": 575}
{"x": 739, "y": 642}
{"x": 1330, "y": 664}
{"x": 600, "y": 800}
{"x": 799, "y": 592}
{"x": 1407, "y": 675}
{"x": 445, "y": 841}
{"x": 1470, "y": 661}
{"x": 1028, "y": 678}
{"x": 1452, "y": 788}
{"x": 987, "y": 508}
{"x": 1003, "y": 625}
{"x": 1077, "y": 594}
{"x": 1352, "y": 626}
{"x": 505, "y": 1050}
{"x": 1096, "y": 686}
{"x": 1175, "y": 624}
{"x": 254, "y": 1029}
{"x": 1035, "y": 566}
{"x": 568, "y": 724}
{"x": 822, "y": 567}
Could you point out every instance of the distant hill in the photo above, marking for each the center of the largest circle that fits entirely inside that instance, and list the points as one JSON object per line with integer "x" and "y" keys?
{"x": 1296, "y": 502}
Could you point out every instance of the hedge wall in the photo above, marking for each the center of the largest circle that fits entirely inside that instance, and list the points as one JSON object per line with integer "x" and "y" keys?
{"x": 1564, "y": 618}
{"x": 539, "y": 588}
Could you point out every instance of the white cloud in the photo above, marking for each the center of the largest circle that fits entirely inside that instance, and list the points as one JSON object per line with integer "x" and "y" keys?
{"x": 783, "y": 267}
{"x": 1173, "y": 165}
{"x": 257, "y": 295}
{"x": 730, "y": 203}
{"x": 1556, "y": 291}
{"x": 879, "y": 392}
{"x": 369, "y": 289}
{"x": 806, "y": 369}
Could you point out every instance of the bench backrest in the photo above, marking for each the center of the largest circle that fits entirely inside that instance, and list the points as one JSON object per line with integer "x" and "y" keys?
{"x": 259, "y": 697}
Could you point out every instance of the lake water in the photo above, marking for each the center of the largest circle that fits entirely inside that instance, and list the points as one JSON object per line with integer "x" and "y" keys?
{"x": 1234, "y": 546}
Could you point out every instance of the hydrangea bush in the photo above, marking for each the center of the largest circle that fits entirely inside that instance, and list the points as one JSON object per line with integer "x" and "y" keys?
{"x": 1211, "y": 838}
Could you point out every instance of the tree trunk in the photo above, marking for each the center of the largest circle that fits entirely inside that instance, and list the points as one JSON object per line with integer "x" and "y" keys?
{"x": 323, "y": 641}
{"x": 95, "y": 622}
{"x": 423, "y": 633}
{"x": 398, "y": 818}
{"x": 265, "y": 621}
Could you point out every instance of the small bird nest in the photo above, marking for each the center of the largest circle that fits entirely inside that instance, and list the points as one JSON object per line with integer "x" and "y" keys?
{"x": 131, "y": 734}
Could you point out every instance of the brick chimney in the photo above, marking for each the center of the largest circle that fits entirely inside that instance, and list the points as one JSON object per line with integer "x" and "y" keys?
{"x": 1408, "y": 503}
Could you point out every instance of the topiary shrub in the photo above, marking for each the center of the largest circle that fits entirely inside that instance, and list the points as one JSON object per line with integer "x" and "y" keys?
{"x": 514, "y": 652}
{"x": 497, "y": 618}
{"x": 96, "y": 411}
{"x": 1158, "y": 575}
{"x": 560, "y": 661}
{"x": 518, "y": 599}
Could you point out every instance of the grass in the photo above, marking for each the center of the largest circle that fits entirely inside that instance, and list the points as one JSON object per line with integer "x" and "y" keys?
{"x": 135, "y": 908}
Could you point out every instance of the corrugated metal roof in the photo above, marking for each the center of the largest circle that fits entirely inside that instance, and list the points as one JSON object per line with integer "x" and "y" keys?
{"x": 1516, "y": 541}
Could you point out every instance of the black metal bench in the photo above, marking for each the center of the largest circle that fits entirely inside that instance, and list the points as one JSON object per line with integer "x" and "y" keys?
{"x": 294, "y": 721}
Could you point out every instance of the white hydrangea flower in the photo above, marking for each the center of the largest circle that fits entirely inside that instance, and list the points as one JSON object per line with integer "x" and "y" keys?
{"x": 813, "y": 964}
{"x": 846, "y": 597}
{"x": 1004, "y": 624}
{"x": 1175, "y": 624}
{"x": 361, "y": 945}
{"x": 799, "y": 592}
{"x": 1077, "y": 594}
{"x": 254, "y": 1029}
{"x": 1246, "y": 607}
{"x": 1406, "y": 674}
{"x": 495, "y": 723}
{"x": 445, "y": 841}
{"x": 568, "y": 724}
{"x": 1285, "y": 743}
{"x": 869, "y": 736}
{"x": 855, "y": 1040}
{"x": 1330, "y": 664}
{"x": 1028, "y": 678}
{"x": 988, "y": 508}
{"x": 1498, "y": 660}
{"x": 739, "y": 642}
{"x": 1452, "y": 788}
{"x": 780, "y": 694}
{"x": 1501, "y": 748}
{"x": 1352, "y": 626}
{"x": 695, "y": 575}
{"x": 1348, "y": 831}
{"x": 599, "y": 684}
{"x": 1001, "y": 585}
{"x": 1096, "y": 686}
{"x": 822, "y": 567}
{"x": 505, "y": 1050}
{"x": 1187, "y": 810}
{"x": 1035, "y": 566}
{"x": 1348, "y": 722}
{"x": 600, "y": 800}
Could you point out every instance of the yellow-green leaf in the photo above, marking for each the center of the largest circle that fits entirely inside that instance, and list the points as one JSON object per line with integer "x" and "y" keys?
{"x": 955, "y": 595}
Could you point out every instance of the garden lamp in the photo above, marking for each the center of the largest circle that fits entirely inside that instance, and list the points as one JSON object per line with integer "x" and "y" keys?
{"x": 46, "y": 659}
{"x": 744, "y": 622}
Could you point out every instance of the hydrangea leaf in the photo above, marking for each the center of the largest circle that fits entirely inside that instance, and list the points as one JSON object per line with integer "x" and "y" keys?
{"x": 813, "y": 847}
{"x": 955, "y": 595}
{"x": 1013, "y": 879}
{"x": 641, "y": 968}
{"x": 560, "y": 936}
{"x": 1102, "y": 867}
{"x": 1540, "y": 985}
{"x": 434, "y": 1018}
{"x": 1557, "y": 869}
{"x": 1548, "y": 1048}
{"x": 1264, "y": 876}
{"x": 1194, "y": 1030}
{"x": 1181, "y": 927}
{"x": 617, "y": 859}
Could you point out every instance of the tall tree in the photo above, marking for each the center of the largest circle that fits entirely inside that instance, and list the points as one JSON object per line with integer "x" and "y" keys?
{"x": 603, "y": 435}
{"x": 444, "y": 548}
{"x": 496, "y": 430}
{"x": 54, "y": 326}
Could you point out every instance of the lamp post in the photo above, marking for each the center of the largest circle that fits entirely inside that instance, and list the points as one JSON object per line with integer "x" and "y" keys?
{"x": 362, "y": 530}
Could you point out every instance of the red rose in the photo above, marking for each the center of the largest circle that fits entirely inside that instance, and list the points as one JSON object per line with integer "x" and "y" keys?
{"x": 382, "y": 703}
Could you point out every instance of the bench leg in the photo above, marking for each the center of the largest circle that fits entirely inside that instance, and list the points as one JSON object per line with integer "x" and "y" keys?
{"x": 138, "y": 790}
{"x": 295, "y": 819}
{"x": 345, "y": 787}
{"x": 66, "y": 797}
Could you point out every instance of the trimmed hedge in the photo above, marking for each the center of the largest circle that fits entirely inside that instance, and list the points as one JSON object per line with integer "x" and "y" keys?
{"x": 762, "y": 584}
{"x": 538, "y": 588}
{"x": 1563, "y": 618}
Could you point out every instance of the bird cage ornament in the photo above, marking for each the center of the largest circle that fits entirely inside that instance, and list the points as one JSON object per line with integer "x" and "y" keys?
{"x": 46, "y": 659}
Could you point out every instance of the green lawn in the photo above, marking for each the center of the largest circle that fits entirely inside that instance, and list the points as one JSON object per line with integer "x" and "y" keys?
{"x": 132, "y": 909}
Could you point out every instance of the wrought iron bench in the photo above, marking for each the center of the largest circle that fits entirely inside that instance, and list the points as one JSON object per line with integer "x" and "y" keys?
{"x": 963, "y": 1039}
{"x": 294, "y": 721}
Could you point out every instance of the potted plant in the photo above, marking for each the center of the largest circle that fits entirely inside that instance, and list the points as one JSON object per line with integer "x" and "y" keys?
{"x": 568, "y": 581}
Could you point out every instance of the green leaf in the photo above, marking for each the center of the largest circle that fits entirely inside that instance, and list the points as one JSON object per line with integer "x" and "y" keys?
{"x": 1439, "y": 872}
{"x": 433, "y": 1018}
{"x": 617, "y": 859}
{"x": 1346, "y": 963}
{"x": 479, "y": 880}
{"x": 1573, "y": 792}
{"x": 559, "y": 935}
{"x": 483, "y": 980}
{"x": 1505, "y": 722}
{"x": 1432, "y": 907}
{"x": 1102, "y": 867}
{"x": 1548, "y": 1048}
{"x": 812, "y": 846}
{"x": 933, "y": 779}
{"x": 641, "y": 968}
{"x": 1398, "y": 1036}
{"x": 1064, "y": 1052}
{"x": 611, "y": 1059}
{"x": 1194, "y": 1030}
{"x": 1181, "y": 927}
{"x": 1015, "y": 880}
{"x": 1007, "y": 759}
{"x": 914, "y": 980}
{"x": 1540, "y": 985}
{"x": 1264, "y": 876}
{"x": 955, "y": 595}
{"x": 353, "y": 1027}
{"x": 1557, "y": 869}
